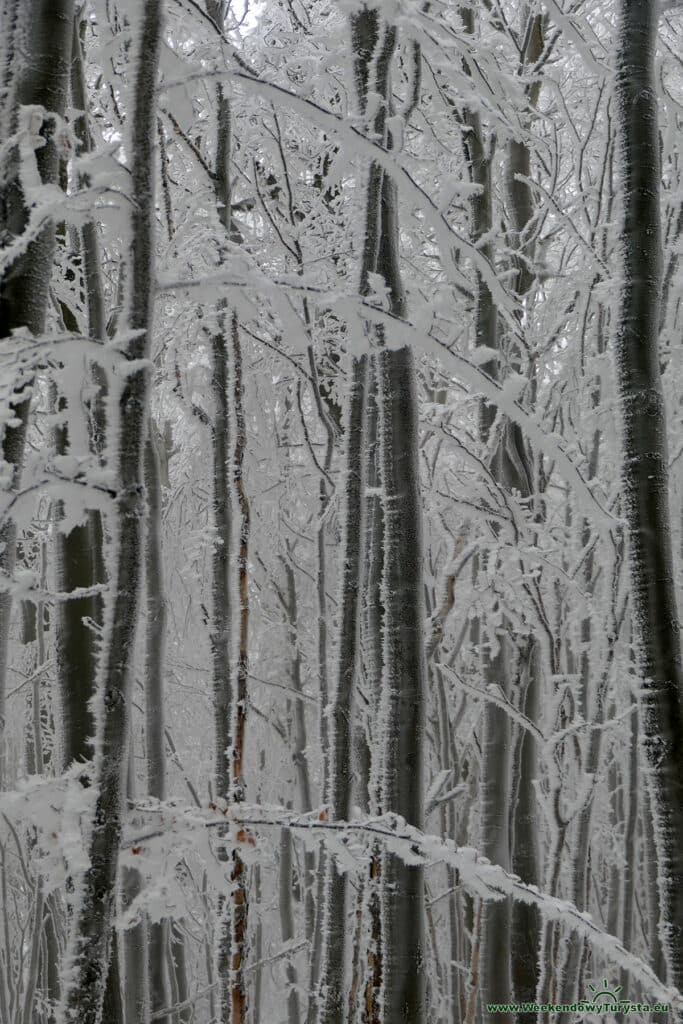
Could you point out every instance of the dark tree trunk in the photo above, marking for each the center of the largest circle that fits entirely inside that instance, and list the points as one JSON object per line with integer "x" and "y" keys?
{"x": 155, "y": 740}
{"x": 645, "y": 461}
{"x": 42, "y": 32}
{"x": 334, "y": 999}
{"x": 90, "y": 944}
{"x": 403, "y": 685}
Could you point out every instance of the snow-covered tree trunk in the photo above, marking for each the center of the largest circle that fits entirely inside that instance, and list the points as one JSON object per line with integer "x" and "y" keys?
{"x": 221, "y": 591}
{"x": 78, "y": 558}
{"x": 333, "y": 1000}
{"x": 644, "y": 468}
{"x": 517, "y": 476}
{"x": 368, "y": 767}
{"x": 155, "y": 739}
{"x": 510, "y": 934}
{"x": 651, "y": 897}
{"x": 238, "y": 877}
{"x": 400, "y": 726}
{"x": 230, "y": 500}
{"x": 403, "y": 684}
{"x": 287, "y": 922}
{"x": 628, "y": 879}
{"x": 134, "y": 939}
{"x": 494, "y": 840}
{"x": 90, "y": 942}
{"x": 300, "y": 751}
{"x": 37, "y": 54}
{"x": 179, "y": 976}
{"x": 222, "y": 603}
{"x": 79, "y": 552}
{"x": 155, "y": 743}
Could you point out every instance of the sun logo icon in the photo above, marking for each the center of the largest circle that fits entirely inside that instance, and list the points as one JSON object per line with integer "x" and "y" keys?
{"x": 601, "y": 993}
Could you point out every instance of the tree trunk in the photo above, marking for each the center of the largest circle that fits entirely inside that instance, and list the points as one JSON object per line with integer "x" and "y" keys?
{"x": 90, "y": 943}
{"x": 403, "y": 682}
{"x": 300, "y": 748}
{"x": 645, "y": 461}
{"x": 43, "y": 32}
{"x": 403, "y": 685}
{"x": 78, "y": 565}
{"x": 134, "y": 939}
{"x": 155, "y": 740}
{"x": 334, "y": 996}
{"x": 287, "y": 923}
{"x": 240, "y": 904}
{"x": 509, "y": 933}
{"x": 178, "y": 975}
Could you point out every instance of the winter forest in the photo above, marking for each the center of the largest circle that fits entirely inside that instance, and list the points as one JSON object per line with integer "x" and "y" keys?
{"x": 341, "y": 511}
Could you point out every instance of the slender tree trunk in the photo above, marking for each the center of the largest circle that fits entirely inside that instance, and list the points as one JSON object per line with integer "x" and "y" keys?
{"x": 518, "y": 476}
{"x": 155, "y": 740}
{"x": 230, "y": 695}
{"x": 112, "y": 1005}
{"x": 371, "y": 632}
{"x": 403, "y": 685}
{"x": 79, "y": 557}
{"x": 90, "y": 944}
{"x": 78, "y": 562}
{"x": 371, "y": 623}
{"x": 135, "y": 952}
{"x": 508, "y": 933}
{"x": 134, "y": 939}
{"x": 333, "y": 1001}
{"x": 495, "y": 840}
{"x": 645, "y": 461}
{"x": 240, "y": 902}
{"x": 258, "y": 950}
{"x": 221, "y": 646}
{"x": 300, "y": 748}
{"x": 179, "y": 981}
{"x": 287, "y": 922}
{"x": 654, "y": 939}
{"x": 630, "y": 854}
{"x": 525, "y": 836}
{"x": 222, "y": 597}
{"x": 43, "y": 33}
{"x": 156, "y": 628}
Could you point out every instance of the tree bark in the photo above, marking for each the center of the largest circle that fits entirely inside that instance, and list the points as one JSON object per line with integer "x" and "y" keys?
{"x": 43, "y": 30}
{"x": 509, "y": 933}
{"x": 90, "y": 943}
{"x": 403, "y": 682}
{"x": 645, "y": 461}
{"x": 155, "y": 739}
{"x": 287, "y": 922}
{"x": 333, "y": 1000}
{"x": 230, "y": 686}
{"x": 403, "y": 685}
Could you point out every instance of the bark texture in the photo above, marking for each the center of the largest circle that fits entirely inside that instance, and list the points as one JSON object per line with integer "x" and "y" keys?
{"x": 42, "y": 33}
{"x": 334, "y": 996}
{"x": 645, "y": 461}
{"x": 155, "y": 739}
{"x": 403, "y": 686}
{"x": 397, "y": 959}
{"x": 91, "y": 928}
